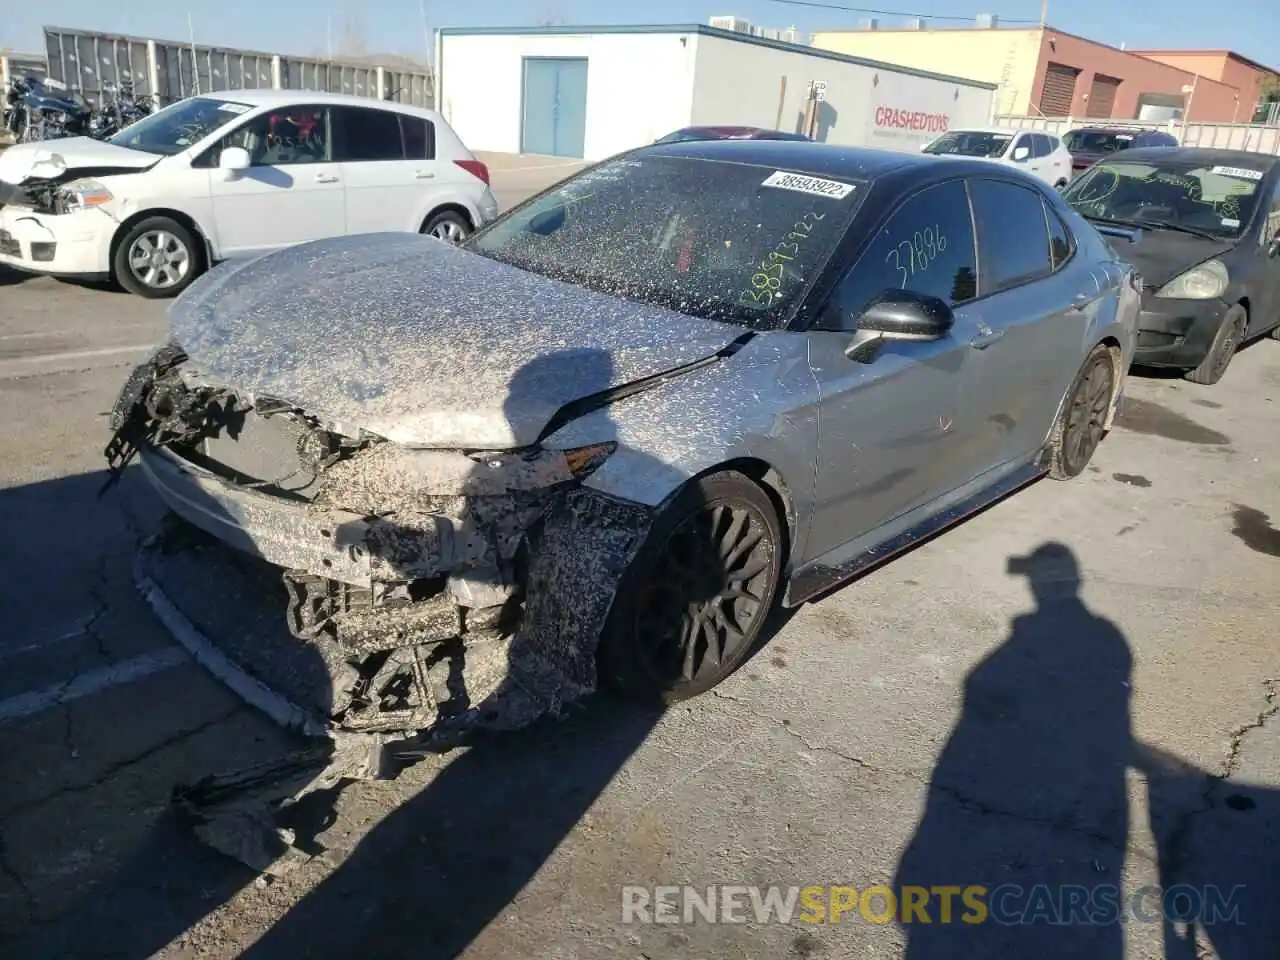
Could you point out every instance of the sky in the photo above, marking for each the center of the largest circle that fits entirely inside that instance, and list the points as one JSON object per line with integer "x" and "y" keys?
{"x": 308, "y": 27}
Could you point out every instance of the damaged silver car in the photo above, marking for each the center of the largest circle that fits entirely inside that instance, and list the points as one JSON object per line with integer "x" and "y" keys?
{"x": 602, "y": 438}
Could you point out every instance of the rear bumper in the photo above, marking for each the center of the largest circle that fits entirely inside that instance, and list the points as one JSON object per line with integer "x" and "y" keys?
{"x": 1176, "y": 333}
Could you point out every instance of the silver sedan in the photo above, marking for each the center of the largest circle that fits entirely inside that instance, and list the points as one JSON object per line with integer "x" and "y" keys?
{"x": 602, "y": 439}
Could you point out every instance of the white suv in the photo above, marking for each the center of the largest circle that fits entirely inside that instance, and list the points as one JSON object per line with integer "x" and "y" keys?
{"x": 230, "y": 174}
{"x": 1033, "y": 151}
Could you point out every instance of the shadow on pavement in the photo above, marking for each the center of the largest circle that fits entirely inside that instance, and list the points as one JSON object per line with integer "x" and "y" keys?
{"x": 1028, "y": 800}
{"x": 1030, "y": 787}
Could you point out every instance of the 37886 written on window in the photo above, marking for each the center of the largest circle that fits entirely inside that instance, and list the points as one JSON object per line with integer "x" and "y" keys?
{"x": 926, "y": 246}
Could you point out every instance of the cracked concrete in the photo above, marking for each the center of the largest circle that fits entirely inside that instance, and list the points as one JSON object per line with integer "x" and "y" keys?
{"x": 855, "y": 737}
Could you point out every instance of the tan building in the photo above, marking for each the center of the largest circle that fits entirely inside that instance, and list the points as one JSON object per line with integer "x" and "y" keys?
{"x": 1252, "y": 79}
{"x": 1045, "y": 71}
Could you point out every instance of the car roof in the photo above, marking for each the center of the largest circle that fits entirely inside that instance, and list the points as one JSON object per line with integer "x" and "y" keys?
{"x": 287, "y": 98}
{"x": 1205, "y": 155}
{"x": 1103, "y": 129}
{"x": 1008, "y": 130}
{"x": 818, "y": 159}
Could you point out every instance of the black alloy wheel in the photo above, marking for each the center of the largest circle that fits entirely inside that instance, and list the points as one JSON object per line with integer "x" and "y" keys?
{"x": 1082, "y": 423}
{"x": 698, "y": 593}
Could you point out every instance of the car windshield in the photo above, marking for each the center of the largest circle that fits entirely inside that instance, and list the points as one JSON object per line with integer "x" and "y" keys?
{"x": 1208, "y": 198}
{"x": 1097, "y": 141}
{"x": 724, "y": 241}
{"x": 179, "y": 125}
{"x": 680, "y": 136}
{"x": 967, "y": 143}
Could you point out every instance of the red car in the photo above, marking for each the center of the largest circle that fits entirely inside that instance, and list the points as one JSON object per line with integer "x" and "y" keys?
{"x": 729, "y": 133}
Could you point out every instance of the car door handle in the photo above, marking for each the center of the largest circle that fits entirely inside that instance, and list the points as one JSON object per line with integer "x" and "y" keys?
{"x": 985, "y": 339}
{"x": 424, "y": 174}
{"x": 326, "y": 178}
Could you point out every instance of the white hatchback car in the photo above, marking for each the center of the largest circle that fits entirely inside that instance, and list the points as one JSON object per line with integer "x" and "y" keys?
{"x": 1033, "y": 151}
{"x": 234, "y": 173}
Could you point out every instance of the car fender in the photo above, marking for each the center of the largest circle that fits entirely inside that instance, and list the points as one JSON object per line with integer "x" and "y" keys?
{"x": 146, "y": 193}
{"x": 759, "y": 405}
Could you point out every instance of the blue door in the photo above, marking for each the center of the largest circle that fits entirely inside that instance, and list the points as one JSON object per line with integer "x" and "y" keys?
{"x": 554, "y": 121}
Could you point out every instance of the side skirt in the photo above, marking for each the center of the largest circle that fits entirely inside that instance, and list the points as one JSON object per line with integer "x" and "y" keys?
{"x": 818, "y": 578}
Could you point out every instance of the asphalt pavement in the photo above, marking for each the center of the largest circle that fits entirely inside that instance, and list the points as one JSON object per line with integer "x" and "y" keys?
{"x": 947, "y": 720}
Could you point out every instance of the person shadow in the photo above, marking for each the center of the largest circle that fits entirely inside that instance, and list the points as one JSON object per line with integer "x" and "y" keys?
{"x": 1030, "y": 787}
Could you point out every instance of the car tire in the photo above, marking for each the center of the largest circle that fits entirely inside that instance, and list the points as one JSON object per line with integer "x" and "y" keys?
{"x": 1081, "y": 423}
{"x": 447, "y": 225}
{"x": 1060, "y": 185}
{"x": 1231, "y": 333}
{"x": 691, "y": 606}
{"x": 176, "y": 258}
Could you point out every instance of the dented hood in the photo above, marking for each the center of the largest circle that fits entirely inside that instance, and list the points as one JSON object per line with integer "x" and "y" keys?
{"x": 71, "y": 154}
{"x": 422, "y": 342}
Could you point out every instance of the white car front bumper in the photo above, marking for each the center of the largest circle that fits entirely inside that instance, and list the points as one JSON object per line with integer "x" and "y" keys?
{"x": 73, "y": 244}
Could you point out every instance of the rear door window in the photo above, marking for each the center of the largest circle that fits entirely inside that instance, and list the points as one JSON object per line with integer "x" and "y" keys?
{"x": 1013, "y": 237}
{"x": 1040, "y": 145}
{"x": 364, "y": 134}
{"x": 419, "y": 137}
{"x": 925, "y": 246}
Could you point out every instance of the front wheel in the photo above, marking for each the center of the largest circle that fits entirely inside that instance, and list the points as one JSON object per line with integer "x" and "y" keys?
{"x": 1083, "y": 421}
{"x": 692, "y": 604}
{"x": 158, "y": 257}
{"x": 1231, "y": 333}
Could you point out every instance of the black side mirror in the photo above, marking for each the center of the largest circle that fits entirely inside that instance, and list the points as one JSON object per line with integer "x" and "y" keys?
{"x": 900, "y": 315}
{"x": 547, "y": 222}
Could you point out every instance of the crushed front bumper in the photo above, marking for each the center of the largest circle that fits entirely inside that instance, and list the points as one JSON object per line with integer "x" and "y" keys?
{"x": 1176, "y": 333}
{"x": 477, "y": 603}
{"x": 75, "y": 245}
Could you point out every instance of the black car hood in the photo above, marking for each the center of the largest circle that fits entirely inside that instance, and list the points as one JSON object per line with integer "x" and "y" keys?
{"x": 1160, "y": 255}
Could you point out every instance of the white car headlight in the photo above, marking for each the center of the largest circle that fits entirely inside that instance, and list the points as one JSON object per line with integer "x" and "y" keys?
{"x": 82, "y": 195}
{"x": 1205, "y": 282}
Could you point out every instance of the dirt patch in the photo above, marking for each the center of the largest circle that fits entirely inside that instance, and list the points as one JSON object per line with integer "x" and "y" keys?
{"x": 1143, "y": 416}
{"x": 1132, "y": 479}
{"x": 1254, "y": 529}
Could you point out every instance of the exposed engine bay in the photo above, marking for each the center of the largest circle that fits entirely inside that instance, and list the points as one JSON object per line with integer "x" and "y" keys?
{"x": 444, "y": 591}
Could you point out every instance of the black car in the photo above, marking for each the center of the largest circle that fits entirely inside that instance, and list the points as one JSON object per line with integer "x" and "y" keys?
{"x": 1208, "y": 248}
{"x": 1088, "y": 145}
{"x": 686, "y": 134}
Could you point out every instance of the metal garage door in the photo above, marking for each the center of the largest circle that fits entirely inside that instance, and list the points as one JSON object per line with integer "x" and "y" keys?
{"x": 1059, "y": 90}
{"x": 1102, "y": 96}
{"x": 554, "y": 120}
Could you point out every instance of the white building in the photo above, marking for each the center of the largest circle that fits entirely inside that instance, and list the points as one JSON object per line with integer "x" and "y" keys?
{"x": 591, "y": 92}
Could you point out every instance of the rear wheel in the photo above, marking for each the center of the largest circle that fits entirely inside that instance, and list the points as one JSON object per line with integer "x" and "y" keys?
{"x": 1082, "y": 423}
{"x": 447, "y": 225}
{"x": 1226, "y": 341}
{"x": 693, "y": 602}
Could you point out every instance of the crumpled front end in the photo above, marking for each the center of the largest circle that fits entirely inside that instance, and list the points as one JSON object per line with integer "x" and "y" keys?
{"x": 442, "y": 589}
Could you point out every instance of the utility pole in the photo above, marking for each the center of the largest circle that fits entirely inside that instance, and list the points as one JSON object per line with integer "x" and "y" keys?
{"x": 1044, "y": 13}
{"x": 195, "y": 65}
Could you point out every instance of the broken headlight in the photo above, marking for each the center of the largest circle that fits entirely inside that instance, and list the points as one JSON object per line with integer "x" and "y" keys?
{"x": 82, "y": 195}
{"x": 582, "y": 461}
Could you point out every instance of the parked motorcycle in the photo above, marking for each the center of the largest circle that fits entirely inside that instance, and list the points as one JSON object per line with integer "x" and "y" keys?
{"x": 120, "y": 107}
{"x": 43, "y": 109}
